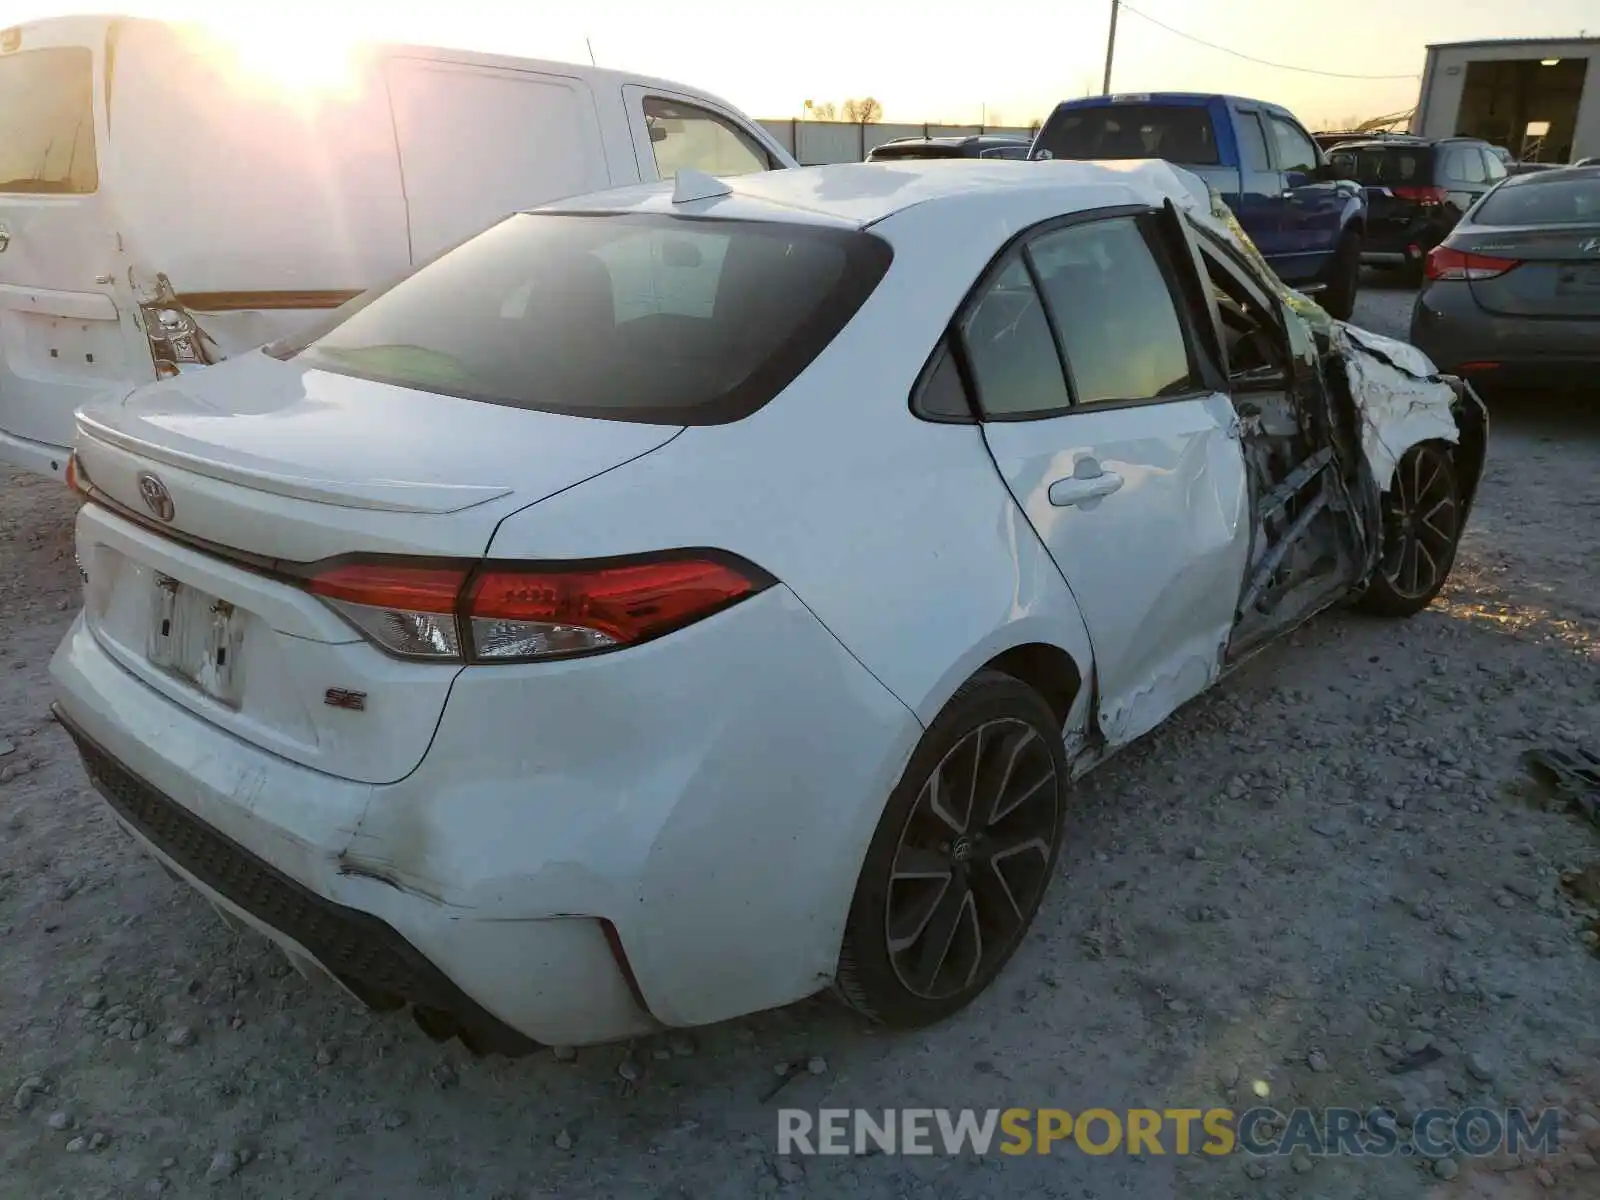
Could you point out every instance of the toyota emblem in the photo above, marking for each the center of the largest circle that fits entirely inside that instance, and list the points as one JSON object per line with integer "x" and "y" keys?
{"x": 1592, "y": 244}
{"x": 5, "y": 239}
{"x": 155, "y": 495}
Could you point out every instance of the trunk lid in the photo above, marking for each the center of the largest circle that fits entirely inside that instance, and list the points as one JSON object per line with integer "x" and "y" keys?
{"x": 63, "y": 339}
{"x": 214, "y": 486}
{"x": 1558, "y": 271}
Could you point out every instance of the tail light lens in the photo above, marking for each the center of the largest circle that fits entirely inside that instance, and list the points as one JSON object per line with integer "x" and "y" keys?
{"x": 1425, "y": 196}
{"x": 506, "y": 612}
{"x": 1447, "y": 263}
{"x": 407, "y": 610}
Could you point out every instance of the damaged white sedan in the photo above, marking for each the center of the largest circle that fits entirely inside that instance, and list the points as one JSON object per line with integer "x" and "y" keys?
{"x": 676, "y": 603}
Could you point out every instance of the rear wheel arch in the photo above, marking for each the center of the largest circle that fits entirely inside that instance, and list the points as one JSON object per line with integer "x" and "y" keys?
{"x": 1047, "y": 669}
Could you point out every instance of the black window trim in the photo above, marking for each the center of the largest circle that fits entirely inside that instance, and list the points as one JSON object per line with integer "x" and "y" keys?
{"x": 725, "y": 119}
{"x": 1206, "y": 374}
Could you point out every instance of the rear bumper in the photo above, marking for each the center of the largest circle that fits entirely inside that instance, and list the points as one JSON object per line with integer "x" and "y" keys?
{"x": 40, "y": 458}
{"x": 1449, "y": 326}
{"x": 574, "y": 860}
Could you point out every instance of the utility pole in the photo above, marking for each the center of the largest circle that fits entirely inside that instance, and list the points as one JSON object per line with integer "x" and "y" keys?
{"x": 1111, "y": 46}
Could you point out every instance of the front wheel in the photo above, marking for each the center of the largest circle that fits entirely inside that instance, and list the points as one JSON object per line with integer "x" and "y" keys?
{"x": 961, "y": 856}
{"x": 1344, "y": 277}
{"x": 1421, "y": 530}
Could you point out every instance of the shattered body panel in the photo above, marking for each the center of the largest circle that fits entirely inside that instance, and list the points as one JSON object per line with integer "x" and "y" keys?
{"x": 1321, "y": 444}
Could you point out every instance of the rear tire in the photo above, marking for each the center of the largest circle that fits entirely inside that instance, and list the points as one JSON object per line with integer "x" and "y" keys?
{"x": 1344, "y": 277}
{"x": 961, "y": 857}
{"x": 1421, "y": 531}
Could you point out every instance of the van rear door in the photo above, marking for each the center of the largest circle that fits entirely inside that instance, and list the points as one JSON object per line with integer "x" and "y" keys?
{"x": 63, "y": 341}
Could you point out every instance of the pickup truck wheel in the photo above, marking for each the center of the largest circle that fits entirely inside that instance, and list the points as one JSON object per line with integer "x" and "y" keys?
{"x": 1344, "y": 277}
{"x": 1421, "y": 529}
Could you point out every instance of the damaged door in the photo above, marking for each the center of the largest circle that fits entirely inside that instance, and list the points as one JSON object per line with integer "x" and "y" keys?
{"x": 1102, "y": 416}
{"x": 1299, "y": 452}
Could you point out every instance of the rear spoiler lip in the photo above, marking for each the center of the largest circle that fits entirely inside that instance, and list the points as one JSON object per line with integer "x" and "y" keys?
{"x": 382, "y": 496}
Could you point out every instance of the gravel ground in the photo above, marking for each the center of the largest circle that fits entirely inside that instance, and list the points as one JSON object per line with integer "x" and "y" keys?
{"x": 1331, "y": 860}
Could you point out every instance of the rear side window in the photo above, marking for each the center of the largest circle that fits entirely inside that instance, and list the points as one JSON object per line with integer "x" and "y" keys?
{"x": 47, "y": 122}
{"x": 1115, "y": 313}
{"x": 1386, "y": 166}
{"x": 685, "y": 135}
{"x": 1011, "y": 350}
{"x": 1464, "y": 165}
{"x": 629, "y": 317}
{"x": 1177, "y": 133}
{"x": 1543, "y": 201}
{"x": 1252, "y": 143}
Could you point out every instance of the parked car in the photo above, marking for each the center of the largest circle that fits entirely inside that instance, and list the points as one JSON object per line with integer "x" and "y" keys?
{"x": 1417, "y": 189}
{"x": 1587, "y": 162}
{"x": 162, "y": 207}
{"x": 1512, "y": 297}
{"x": 978, "y": 145}
{"x": 524, "y": 642}
{"x": 1309, "y": 224}
{"x": 1328, "y": 140}
{"x": 1532, "y": 168}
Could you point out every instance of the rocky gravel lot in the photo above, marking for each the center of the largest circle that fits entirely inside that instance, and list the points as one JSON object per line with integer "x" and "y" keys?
{"x": 1331, "y": 862}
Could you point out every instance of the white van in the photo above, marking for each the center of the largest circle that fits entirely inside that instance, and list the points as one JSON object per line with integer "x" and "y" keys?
{"x": 163, "y": 205}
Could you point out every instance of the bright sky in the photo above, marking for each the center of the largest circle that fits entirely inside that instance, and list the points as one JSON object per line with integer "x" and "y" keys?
{"x": 933, "y": 60}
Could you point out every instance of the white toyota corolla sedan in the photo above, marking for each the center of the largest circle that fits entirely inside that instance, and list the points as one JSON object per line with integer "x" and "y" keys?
{"x": 678, "y": 602}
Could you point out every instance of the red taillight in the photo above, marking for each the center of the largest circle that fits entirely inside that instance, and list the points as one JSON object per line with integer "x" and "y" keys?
{"x": 1421, "y": 195}
{"x": 504, "y": 612}
{"x": 517, "y": 613}
{"x": 1447, "y": 263}
{"x": 381, "y": 585}
{"x": 408, "y": 610}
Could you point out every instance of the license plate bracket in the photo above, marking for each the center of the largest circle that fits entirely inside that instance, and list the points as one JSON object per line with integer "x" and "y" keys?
{"x": 196, "y": 637}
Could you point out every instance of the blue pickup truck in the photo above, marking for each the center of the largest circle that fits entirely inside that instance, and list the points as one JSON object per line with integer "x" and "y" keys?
{"x": 1306, "y": 221}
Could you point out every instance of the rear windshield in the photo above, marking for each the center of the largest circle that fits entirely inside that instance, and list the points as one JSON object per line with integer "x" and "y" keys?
{"x": 1385, "y": 166}
{"x": 1543, "y": 201}
{"x": 1177, "y": 133}
{"x": 631, "y": 317}
{"x": 47, "y": 121}
{"x": 916, "y": 150}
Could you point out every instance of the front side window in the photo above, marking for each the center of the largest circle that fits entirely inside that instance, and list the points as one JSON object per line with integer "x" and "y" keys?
{"x": 1296, "y": 151}
{"x": 629, "y": 317}
{"x": 685, "y": 135}
{"x": 47, "y": 122}
{"x": 1115, "y": 312}
{"x": 1013, "y": 356}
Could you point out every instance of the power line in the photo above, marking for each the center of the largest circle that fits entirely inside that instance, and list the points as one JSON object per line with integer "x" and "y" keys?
{"x": 1251, "y": 58}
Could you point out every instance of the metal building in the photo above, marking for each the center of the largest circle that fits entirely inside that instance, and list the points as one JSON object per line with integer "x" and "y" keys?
{"x": 1540, "y": 99}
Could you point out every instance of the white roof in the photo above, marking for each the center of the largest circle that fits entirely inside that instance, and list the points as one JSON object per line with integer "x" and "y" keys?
{"x": 860, "y": 194}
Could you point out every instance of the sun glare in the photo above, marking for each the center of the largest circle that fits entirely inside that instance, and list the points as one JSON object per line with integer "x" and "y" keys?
{"x": 284, "y": 56}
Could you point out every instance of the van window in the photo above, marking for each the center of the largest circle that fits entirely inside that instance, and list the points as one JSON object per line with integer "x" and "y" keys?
{"x": 685, "y": 135}
{"x": 47, "y": 122}
{"x": 630, "y": 317}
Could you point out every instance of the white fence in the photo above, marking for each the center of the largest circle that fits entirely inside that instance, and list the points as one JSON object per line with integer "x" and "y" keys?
{"x": 814, "y": 143}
